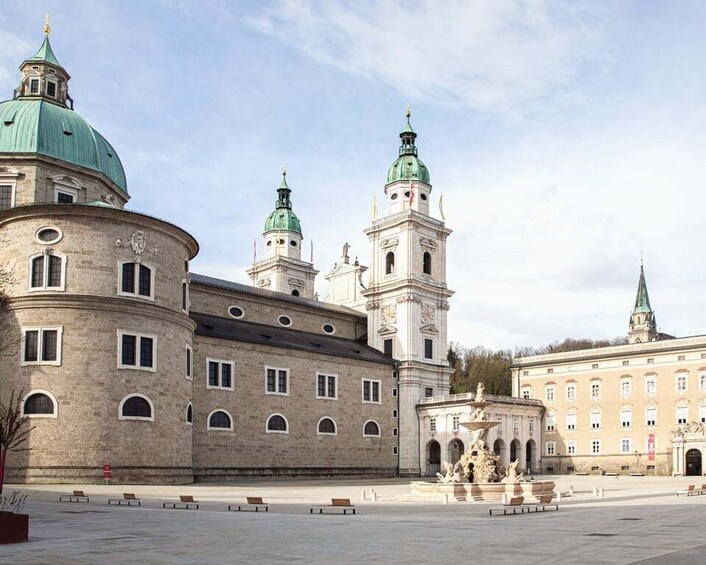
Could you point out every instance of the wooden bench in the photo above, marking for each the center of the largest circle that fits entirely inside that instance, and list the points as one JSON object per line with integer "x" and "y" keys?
{"x": 337, "y": 504}
{"x": 128, "y": 498}
{"x": 511, "y": 507}
{"x": 254, "y": 502}
{"x": 688, "y": 491}
{"x": 77, "y": 496}
{"x": 541, "y": 504}
{"x": 186, "y": 502}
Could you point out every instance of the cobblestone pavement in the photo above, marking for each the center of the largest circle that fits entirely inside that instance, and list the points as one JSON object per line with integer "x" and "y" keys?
{"x": 640, "y": 520}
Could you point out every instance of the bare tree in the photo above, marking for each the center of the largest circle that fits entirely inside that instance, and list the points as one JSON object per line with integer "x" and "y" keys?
{"x": 14, "y": 429}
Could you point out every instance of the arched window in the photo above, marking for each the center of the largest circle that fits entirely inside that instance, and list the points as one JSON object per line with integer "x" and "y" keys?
{"x": 295, "y": 292}
{"x": 371, "y": 429}
{"x": 277, "y": 424}
{"x": 327, "y": 426}
{"x": 389, "y": 263}
{"x": 136, "y": 407}
{"x": 39, "y": 404}
{"x": 426, "y": 263}
{"x": 220, "y": 420}
{"x": 46, "y": 272}
{"x": 189, "y": 414}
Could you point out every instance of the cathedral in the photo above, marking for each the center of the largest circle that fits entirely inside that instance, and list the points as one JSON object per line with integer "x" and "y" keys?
{"x": 124, "y": 357}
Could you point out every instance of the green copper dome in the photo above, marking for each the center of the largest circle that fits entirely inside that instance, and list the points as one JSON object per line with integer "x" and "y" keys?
{"x": 283, "y": 218}
{"x": 408, "y": 166}
{"x": 38, "y": 126}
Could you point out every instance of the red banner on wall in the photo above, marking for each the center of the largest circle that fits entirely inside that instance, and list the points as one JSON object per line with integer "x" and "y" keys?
{"x": 651, "y": 447}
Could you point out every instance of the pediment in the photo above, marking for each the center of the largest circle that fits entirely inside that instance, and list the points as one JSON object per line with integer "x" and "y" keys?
{"x": 429, "y": 329}
{"x": 387, "y": 329}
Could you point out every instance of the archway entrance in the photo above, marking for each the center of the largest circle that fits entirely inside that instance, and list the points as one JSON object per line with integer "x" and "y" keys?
{"x": 499, "y": 449}
{"x": 433, "y": 458}
{"x": 693, "y": 462}
{"x": 455, "y": 450}
{"x": 515, "y": 450}
{"x": 529, "y": 456}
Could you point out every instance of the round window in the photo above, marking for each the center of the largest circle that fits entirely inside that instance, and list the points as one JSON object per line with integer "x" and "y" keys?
{"x": 236, "y": 312}
{"x": 284, "y": 321}
{"x": 423, "y": 196}
{"x": 293, "y": 243}
{"x": 48, "y": 235}
{"x": 393, "y": 196}
{"x": 329, "y": 329}
{"x": 280, "y": 242}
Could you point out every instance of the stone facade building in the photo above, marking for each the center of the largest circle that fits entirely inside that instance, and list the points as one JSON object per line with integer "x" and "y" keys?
{"x": 634, "y": 408}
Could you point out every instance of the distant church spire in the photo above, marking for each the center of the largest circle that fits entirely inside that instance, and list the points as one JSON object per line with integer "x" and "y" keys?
{"x": 643, "y": 323}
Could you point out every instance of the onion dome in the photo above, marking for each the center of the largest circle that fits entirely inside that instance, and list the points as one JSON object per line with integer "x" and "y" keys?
{"x": 283, "y": 218}
{"x": 408, "y": 165}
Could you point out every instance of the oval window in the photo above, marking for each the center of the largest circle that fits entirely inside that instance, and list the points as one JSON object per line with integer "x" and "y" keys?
{"x": 236, "y": 312}
{"x": 280, "y": 242}
{"x": 407, "y": 194}
{"x": 423, "y": 196}
{"x": 328, "y": 329}
{"x": 393, "y": 196}
{"x": 284, "y": 321}
{"x": 269, "y": 243}
{"x": 48, "y": 235}
{"x": 293, "y": 243}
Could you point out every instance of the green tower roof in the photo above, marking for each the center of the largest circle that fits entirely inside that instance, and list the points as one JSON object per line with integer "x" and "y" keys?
{"x": 37, "y": 126}
{"x": 408, "y": 165}
{"x": 46, "y": 54}
{"x": 283, "y": 218}
{"x": 642, "y": 300}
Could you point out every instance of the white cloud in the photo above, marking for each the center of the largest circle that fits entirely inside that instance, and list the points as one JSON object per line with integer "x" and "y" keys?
{"x": 490, "y": 55}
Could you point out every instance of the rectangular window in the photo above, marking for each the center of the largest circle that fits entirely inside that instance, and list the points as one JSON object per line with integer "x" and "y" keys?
{"x": 595, "y": 391}
{"x": 549, "y": 393}
{"x": 137, "y": 351}
{"x": 371, "y": 391}
{"x": 626, "y": 418}
{"x": 34, "y": 86}
{"x": 526, "y": 393}
{"x": 387, "y": 347}
{"x": 650, "y": 360}
{"x": 595, "y": 420}
{"x": 626, "y": 363}
{"x": 394, "y": 392}
{"x": 51, "y": 88}
{"x": 551, "y": 448}
{"x": 47, "y": 272}
{"x": 136, "y": 279}
{"x": 625, "y": 388}
{"x": 595, "y": 446}
{"x": 189, "y": 362}
{"x": 64, "y": 198}
{"x": 702, "y": 414}
{"x": 651, "y": 416}
{"x": 41, "y": 346}
{"x": 682, "y": 414}
{"x": 650, "y": 386}
{"x": 551, "y": 423}
{"x": 394, "y": 413}
{"x": 220, "y": 374}
{"x": 702, "y": 382}
{"x": 681, "y": 382}
{"x": 525, "y": 373}
{"x": 6, "y": 197}
{"x": 516, "y": 424}
{"x": 681, "y": 357}
{"x": 326, "y": 386}
{"x": 455, "y": 423}
{"x": 531, "y": 425}
{"x": 394, "y": 450}
{"x": 432, "y": 424}
{"x": 594, "y": 366}
{"x": 571, "y": 392}
{"x": 428, "y": 349}
{"x": 550, "y": 370}
{"x": 626, "y": 445}
{"x": 571, "y": 447}
{"x": 394, "y": 432}
{"x": 277, "y": 380}
{"x": 185, "y": 296}
{"x": 571, "y": 421}
{"x": 428, "y": 392}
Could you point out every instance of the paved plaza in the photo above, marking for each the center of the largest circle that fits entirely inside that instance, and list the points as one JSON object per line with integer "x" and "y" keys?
{"x": 639, "y": 520}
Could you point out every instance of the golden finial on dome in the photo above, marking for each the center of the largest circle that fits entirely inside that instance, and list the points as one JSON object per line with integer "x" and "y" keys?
{"x": 47, "y": 27}
{"x": 408, "y": 111}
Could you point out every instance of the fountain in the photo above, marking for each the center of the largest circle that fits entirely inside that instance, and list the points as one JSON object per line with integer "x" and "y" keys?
{"x": 489, "y": 480}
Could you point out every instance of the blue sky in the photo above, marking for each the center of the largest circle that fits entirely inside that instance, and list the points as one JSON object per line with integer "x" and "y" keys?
{"x": 566, "y": 138}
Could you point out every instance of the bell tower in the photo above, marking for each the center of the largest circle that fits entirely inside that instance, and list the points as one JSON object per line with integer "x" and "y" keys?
{"x": 643, "y": 323}
{"x": 407, "y": 296}
{"x": 283, "y": 269}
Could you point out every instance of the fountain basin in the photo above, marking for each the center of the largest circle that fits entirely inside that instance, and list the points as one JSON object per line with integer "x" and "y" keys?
{"x": 486, "y": 492}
